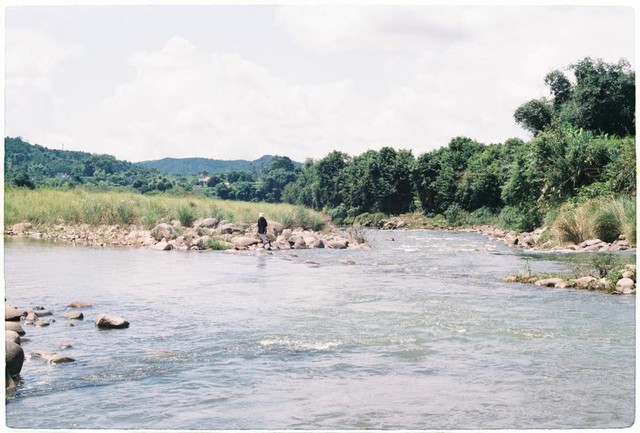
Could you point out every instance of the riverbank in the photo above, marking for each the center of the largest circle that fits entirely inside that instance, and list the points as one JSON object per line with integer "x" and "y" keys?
{"x": 204, "y": 234}
{"x": 537, "y": 240}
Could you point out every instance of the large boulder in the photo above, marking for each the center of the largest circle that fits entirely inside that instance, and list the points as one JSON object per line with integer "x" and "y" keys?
{"x": 13, "y": 326}
{"x": 161, "y": 246}
{"x": 588, "y": 283}
{"x": 625, "y": 286}
{"x": 244, "y": 242}
{"x": 21, "y": 227}
{"x": 13, "y": 314}
{"x": 550, "y": 282}
{"x": 275, "y": 227}
{"x": 12, "y": 336}
{"x": 339, "y": 244}
{"x": 163, "y": 231}
{"x": 74, "y": 315}
{"x": 14, "y": 357}
{"x": 207, "y": 223}
{"x": 104, "y": 321}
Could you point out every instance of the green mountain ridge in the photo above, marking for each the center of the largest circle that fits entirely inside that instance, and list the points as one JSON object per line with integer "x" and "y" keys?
{"x": 195, "y": 166}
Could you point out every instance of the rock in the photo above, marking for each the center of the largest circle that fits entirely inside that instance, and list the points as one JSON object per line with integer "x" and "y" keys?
{"x": 163, "y": 231}
{"x": 228, "y": 229}
{"x": 12, "y": 336}
{"x": 41, "y": 313}
{"x": 41, "y": 323}
{"x": 79, "y": 304}
{"x": 161, "y": 246}
{"x": 590, "y": 242}
{"x": 13, "y": 314}
{"x": 319, "y": 243}
{"x": 104, "y": 321}
{"x": 625, "y": 286}
{"x": 297, "y": 243}
{"x": 53, "y": 358}
{"x": 628, "y": 274}
{"x": 21, "y": 227}
{"x": 65, "y": 346}
{"x": 585, "y": 283}
{"x": 14, "y": 357}
{"x": 339, "y": 244}
{"x": 178, "y": 243}
{"x": 30, "y": 317}
{"x": 13, "y": 326}
{"x": 275, "y": 228}
{"x": 207, "y": 223}
{"x": 286, "y": 234}
{"x": 74, "y": 315}
{"x": 10, "y": 385}
{"x": 549, "y": 282}
{"x": 244, "y": 242}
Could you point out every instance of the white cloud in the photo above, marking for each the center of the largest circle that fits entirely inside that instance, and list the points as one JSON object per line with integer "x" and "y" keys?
{"x": 33, "y": 59}
{"x": 184, "y": 102}
{"x": 408, "y": 77}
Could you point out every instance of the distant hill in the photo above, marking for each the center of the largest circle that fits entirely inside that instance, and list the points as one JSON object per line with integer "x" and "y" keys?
{"x": 193, "y": 166}
{"x": 43, "y": 165}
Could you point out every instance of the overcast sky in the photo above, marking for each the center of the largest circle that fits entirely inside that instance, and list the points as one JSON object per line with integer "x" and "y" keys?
{"x": 237, "y": 82}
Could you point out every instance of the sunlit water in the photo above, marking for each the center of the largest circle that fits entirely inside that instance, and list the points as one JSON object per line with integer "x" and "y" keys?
{"x": 416, "y": 333}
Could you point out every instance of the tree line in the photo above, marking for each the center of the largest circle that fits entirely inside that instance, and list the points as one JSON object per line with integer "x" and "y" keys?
{"x": 583, "y": 146}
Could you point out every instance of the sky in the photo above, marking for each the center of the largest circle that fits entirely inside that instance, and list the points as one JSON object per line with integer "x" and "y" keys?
{"x": 231, "y": 81}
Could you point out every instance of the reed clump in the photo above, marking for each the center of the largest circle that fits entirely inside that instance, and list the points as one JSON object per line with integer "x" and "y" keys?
{"x": 49, "y": 207}
{"x": 604, "y": 218}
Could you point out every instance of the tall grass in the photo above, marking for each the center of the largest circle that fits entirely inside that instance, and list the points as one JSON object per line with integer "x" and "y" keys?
{"x": 605, "y": 218}
{"x": 49, "y": 207}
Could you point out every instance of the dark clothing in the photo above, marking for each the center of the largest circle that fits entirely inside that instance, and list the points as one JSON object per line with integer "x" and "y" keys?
{"x": 262, "y": 226}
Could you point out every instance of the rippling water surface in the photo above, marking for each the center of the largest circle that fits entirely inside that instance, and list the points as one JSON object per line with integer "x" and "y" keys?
{"x": 416, "y": 333}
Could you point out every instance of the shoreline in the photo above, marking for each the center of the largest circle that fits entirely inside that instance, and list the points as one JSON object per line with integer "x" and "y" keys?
{"x": 205, "y": 234}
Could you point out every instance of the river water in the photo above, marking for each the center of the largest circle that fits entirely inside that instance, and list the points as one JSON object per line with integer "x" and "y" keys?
{"x": 416, "y": 333}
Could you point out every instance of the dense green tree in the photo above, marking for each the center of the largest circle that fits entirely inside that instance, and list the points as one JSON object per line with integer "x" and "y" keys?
{"x": 534, "y": 116}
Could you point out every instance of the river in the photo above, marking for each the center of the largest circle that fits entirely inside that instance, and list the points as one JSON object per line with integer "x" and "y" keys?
{"x": 417, "y": 333}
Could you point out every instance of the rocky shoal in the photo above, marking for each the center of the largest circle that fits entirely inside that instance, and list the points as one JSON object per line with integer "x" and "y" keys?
{"x": 19, "y": 320}
{"x": 208, "y": 233}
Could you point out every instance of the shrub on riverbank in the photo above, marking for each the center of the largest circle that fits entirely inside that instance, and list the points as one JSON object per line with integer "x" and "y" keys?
{"x": 50, "y": 207}
{"x": 604, "y": 218}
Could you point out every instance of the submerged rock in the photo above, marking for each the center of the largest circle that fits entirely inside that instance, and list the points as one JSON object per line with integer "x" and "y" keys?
{"x": 104, "y": 321}
{"x": 53, "y": 358}
{"x": 74, "y": 315}
{"x": 79, "y": 304}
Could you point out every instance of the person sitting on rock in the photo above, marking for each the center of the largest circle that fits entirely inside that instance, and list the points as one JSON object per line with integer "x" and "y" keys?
{"x": 262, "y": 231}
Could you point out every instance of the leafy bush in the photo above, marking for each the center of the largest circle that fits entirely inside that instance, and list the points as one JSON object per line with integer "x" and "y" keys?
{"x": 484, "y": 215}
{"x": 455, "y": 215}
{"x": 520, "y": 219}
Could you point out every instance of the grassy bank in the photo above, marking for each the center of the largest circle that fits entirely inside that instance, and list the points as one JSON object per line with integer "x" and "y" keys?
{"x": 49, "y": 207}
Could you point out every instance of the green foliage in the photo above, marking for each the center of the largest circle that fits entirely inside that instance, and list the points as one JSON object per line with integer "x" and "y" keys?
{"x": 219, "y": 245}
{"x": 605, "y": 218}
{"x": 519, "y": 218}
{"x": 534, "y": 116}
{"x": 455, "y": 215}
{"x": 597, "y": 265}
{"x": 187, "y": 215}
